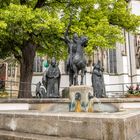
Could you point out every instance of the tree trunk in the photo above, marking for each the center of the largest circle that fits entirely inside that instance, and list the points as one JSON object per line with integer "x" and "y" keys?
{"x": 26, "y": 70}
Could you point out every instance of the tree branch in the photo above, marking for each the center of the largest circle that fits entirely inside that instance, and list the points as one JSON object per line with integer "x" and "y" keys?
{"x": 39, "y": 4}
{"x": 69, "y": 25}
{"x": 16, "y": 54}
{"x": 14, "y": 51}
{"x": 22, "y": 2}
{"x": 70, "y": 22}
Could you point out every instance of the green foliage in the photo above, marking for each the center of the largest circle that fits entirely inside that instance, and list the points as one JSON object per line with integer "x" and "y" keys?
{"x": 4, "y": 94}
{"x": 20, "y": 23}
{"x": 100, "y": 20}
{"x": 133, "y": 90}
{"x": 123, "y": 17}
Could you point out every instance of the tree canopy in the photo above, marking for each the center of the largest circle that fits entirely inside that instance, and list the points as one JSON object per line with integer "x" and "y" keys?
{"x": 45, "y": 22}
{"x": 20, "y": 23}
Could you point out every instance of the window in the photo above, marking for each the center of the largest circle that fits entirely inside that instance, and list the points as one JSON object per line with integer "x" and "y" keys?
{"x": 38, "y": 64}
{"x": 11, "y": 70}
{"x": 137, "y": 50}
{"x": 112, "y": 61}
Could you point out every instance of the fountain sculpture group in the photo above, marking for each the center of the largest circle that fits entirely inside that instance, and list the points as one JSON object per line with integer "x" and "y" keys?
{"x": 80, "y": 95}
{"x": 50, "y": 119}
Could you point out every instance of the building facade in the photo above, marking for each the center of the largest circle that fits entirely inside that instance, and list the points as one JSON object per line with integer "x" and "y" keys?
{"x": 121, "y": 65}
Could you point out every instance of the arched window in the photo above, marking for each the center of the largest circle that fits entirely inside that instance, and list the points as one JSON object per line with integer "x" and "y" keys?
{"x": 112, "y": 62}
{"x": 137, "y": 50}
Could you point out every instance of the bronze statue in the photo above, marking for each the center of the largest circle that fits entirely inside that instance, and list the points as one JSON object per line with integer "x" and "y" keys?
{"x": 76, "y": 60}
{"x": 98, "y": 81}
{"x": 40, "y": 91}
{"x": 53, "y": 79}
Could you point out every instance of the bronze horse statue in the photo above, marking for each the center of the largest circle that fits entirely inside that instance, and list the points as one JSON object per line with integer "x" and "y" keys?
{"x": 76, "y": 61}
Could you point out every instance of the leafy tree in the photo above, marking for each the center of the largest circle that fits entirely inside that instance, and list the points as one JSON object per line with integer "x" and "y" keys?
{"x": 30, "y": 26}
{"x": 24, "y": 30}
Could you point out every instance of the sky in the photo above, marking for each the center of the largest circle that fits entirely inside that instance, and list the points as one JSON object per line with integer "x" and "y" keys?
{"x": 136, "y": 7}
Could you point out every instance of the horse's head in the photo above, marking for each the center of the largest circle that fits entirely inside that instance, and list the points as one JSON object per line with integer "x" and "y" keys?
{"x": 84, "y": 41}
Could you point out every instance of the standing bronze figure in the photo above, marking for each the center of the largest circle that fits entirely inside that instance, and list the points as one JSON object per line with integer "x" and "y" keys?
{"x": 53, "y": 79}
{"x": 98, "y": 81}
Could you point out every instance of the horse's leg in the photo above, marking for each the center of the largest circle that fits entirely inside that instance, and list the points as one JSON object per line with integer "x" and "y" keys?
{"x": 82, "y": 77}
{"x": 70, "y": 78}
{"x": 83, "y": 72}
{"x": 75, "y": 77}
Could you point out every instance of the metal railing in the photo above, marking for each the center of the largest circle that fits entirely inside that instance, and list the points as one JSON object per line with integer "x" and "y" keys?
{"x": 10, "y": 89}
{"x": 121, "y": 89}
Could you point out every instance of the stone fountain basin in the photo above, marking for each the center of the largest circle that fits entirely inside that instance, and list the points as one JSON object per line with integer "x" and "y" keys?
{"x": 40, "y": 118}
{"x": 62, "y": 105}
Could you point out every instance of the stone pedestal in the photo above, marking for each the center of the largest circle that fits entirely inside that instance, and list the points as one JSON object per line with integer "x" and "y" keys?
{"x": 84, "y": 90}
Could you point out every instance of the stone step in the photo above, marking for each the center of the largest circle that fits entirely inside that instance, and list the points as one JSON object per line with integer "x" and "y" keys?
{"x": 10, "y": 135}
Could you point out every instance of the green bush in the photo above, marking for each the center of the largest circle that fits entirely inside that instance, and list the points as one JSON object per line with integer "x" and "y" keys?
{"x": 4, "y": 94}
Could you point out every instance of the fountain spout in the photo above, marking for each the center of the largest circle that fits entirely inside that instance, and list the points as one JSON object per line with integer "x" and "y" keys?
{"x": 77, "y": 102}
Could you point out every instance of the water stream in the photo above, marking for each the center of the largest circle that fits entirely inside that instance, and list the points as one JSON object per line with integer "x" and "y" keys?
{"x": 100, "y": 107}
